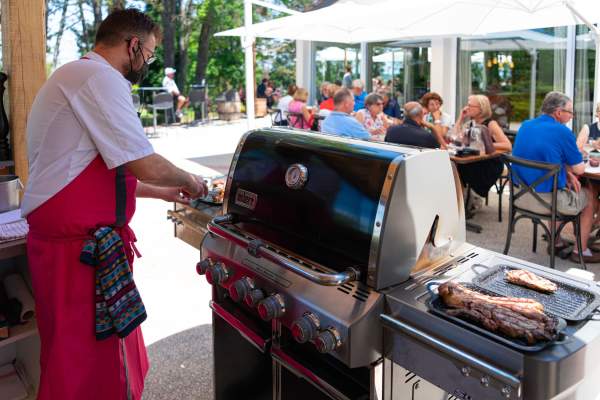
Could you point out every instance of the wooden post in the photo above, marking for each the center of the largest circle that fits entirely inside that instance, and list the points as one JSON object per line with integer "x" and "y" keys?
{"x": 24, "y": 60}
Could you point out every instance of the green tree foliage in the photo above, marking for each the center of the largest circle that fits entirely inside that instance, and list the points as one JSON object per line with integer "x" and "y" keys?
{"x": 223, "y": 62}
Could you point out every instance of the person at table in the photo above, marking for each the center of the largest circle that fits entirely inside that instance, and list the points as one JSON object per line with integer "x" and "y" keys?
{"x": 340, "y": 122}
{"x": 328, "y": 105}
{"x": 481, "y": 176}
{"x": 89, "y": 161}
{"x": 547, "y": 139}
{"x": 261, "y": 89}
{"x": 391, "y": 107}
{"x": 372, "y": 117}
{"x": 432, "y": 102}
{"x": 299, "y": 114}
{"x": 323, "y": 92}
{"x": 171, "y": 86}
{"x": 283, "y": 106}
{"x": 359, "y": 94}
{"x": 412, "y": 131}
{"x": 590, "y": 133}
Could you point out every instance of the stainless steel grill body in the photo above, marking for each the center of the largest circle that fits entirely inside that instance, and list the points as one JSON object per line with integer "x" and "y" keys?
{"x": 321, "y": 262}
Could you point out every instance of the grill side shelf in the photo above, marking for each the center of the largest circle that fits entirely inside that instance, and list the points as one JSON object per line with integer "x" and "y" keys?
{"x": 569, "y": 302}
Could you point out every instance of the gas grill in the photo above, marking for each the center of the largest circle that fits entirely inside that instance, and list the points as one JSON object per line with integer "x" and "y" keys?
{"x": 320, "y": 267}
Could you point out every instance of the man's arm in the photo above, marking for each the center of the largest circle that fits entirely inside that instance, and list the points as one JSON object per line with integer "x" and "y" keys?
{"x": 157, "y": 171}
{"x": 577, "y": 169}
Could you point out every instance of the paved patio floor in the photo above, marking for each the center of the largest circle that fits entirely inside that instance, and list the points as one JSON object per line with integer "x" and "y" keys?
{"x": 178, "y": 329}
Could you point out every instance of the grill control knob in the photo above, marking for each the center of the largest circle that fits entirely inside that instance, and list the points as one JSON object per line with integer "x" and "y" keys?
{"x": 239, "y": 289}
{"x": 485, "y": 381}
{"x": 271, "y": 307}
{"x": 203, "y": 265}
{"x": 328, "y": 340}
{"x": 305, "y": 328}
{"x": 253, "y": 297}
{"x": 216, "y": 274}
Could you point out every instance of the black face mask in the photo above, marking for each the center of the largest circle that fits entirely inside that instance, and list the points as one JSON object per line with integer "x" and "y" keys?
{"x": 135, "y": 76}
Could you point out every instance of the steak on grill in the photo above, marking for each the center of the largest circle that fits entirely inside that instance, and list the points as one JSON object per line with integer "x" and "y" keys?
{"x": 530, "y": 280}
{"x": 514, "y": 317}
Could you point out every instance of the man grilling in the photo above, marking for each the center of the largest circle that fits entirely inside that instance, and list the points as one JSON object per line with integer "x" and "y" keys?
{"x": 89, "y": 160}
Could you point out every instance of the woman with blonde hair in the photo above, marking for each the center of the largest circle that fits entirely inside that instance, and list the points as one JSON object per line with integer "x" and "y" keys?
{"x": 299, "y": 115}
{"x": 481, "y": 176}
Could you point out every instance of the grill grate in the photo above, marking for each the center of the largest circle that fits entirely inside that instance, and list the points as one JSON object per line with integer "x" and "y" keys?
{"x": 569, "y": 301}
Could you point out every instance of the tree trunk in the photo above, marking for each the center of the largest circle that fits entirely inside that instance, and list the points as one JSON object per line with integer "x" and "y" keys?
{"x": 85, "y": 44}
{"x": 185, "y": 23}
{"x": 168, "y": 41}
{"x": 204, "y": 42}
{"x": 59, "y": 33}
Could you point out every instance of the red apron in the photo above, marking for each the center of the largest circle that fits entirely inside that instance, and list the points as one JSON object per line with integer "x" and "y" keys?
{"x": 74, "y": 364}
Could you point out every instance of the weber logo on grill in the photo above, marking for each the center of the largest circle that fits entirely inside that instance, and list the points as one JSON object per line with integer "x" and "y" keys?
{"x": 246, "y": 199}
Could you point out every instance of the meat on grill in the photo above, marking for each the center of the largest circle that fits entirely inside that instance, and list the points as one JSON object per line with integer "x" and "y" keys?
{"x": 503, "y": 320}
{"x": 456, "y": 296}
{"x": 514, "y": 317}
{"x": 530, "y": 280}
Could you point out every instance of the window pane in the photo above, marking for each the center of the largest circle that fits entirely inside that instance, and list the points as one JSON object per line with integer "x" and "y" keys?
{"x": 585, "y": 56}
{"x": 403, "y": 66}
{"x": 515, "y": 70}
{"x": 331, "y": 61}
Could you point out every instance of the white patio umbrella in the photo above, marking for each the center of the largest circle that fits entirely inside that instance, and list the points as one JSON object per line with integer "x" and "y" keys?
{"x": 353, "y": 21}
{"x": 336, "y": 54}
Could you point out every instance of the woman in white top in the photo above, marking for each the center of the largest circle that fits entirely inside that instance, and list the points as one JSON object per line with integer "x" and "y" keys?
{"x": 372, "y": 116}
{"x": 283, "y": 105}
{"x": 590, "y": 133}
{"x": 432, "y": 102}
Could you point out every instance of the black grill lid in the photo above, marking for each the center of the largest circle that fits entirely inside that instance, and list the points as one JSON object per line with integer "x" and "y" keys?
{"x": 330, "y": 218}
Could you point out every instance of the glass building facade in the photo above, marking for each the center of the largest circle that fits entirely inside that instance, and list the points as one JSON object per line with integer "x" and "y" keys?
{"x": 514, "y": 69}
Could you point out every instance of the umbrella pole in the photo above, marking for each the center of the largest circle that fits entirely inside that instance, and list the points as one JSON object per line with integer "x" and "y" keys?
{"x": 249, "y": 63}
{"x": 532, "y": 87}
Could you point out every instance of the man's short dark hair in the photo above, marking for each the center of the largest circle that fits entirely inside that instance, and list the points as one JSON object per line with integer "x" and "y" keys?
{"x": 341, "y": 96}
{"x": 125, "y": 24}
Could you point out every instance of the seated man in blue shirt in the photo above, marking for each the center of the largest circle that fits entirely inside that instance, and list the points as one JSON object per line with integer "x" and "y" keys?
{"x": 391, "y": 107}
{"x": 340, "y": 122}
{"x": 547, "y": 139}
{"x": 359, "y": 94}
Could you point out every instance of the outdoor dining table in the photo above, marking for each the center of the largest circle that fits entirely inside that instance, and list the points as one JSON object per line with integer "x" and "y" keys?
{"x": 469, "y": 160}
{"x": 592, "y": 173}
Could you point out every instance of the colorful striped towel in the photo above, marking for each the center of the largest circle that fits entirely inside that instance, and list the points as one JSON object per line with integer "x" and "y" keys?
{"x": 119, "y": 307}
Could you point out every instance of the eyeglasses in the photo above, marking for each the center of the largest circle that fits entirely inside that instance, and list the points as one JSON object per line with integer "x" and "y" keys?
{"x": 379, "y": 104}
{"x": 567, "y": 111}
{"x": 473, "y": 105}
{"x": 150, "y": 58}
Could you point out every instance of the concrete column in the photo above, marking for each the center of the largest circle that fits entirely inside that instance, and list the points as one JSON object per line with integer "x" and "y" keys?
{"x": 444, "y": 71}
{"x": 365, "y": 70}
{"x": 305, "y": 68}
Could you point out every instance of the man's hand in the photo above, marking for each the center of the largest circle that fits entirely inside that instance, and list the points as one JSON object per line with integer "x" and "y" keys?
{"x": 196, "y": 187}
{"x": 573, "y": 182}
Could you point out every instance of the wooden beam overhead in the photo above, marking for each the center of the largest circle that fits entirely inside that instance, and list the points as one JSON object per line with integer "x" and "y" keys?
{"x": 24, "y": 60}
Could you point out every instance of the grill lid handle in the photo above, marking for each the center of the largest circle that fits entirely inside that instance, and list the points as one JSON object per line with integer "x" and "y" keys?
{"x": 257, "y": 249}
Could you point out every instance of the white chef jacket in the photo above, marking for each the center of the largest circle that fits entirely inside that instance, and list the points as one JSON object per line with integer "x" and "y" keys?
{"x": 84, "y": 109}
